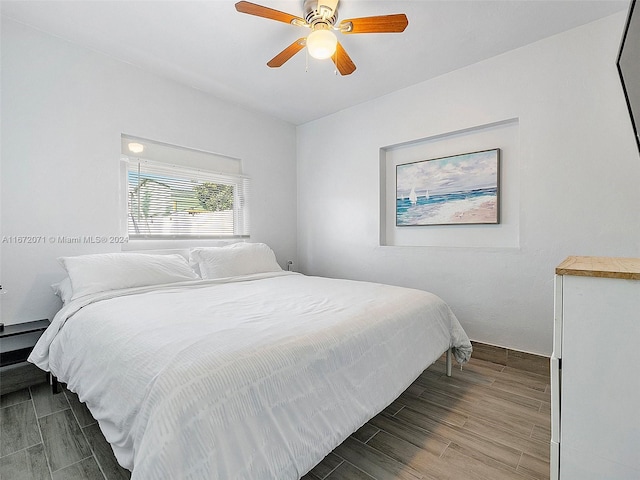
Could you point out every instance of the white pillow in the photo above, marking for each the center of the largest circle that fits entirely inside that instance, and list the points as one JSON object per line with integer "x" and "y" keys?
{"x": 63, "y": 290}
{"x": 112, "y": 271}
{"x": 234, "y": 260}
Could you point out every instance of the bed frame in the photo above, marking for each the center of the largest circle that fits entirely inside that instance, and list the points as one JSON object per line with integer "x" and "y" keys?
{"x": 449, "y": 361}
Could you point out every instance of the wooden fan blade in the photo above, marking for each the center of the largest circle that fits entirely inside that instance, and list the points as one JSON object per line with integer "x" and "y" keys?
{"x": 266, "y": 12}
{"x": 287, "y": 53}
{"x": 343, "y": 61}
{"x": 381, "y": 24}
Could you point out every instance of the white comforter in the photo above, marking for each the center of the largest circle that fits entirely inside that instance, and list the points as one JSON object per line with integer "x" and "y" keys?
{"x": 256, "y": 377}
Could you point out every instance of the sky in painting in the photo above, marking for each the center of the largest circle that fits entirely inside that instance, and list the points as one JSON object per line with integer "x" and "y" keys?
{"x": 450, "y": 174}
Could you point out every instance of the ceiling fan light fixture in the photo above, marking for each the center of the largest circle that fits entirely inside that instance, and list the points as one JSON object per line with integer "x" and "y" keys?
{"x": 321, "y": 16}
{"x": 321, "y": 43}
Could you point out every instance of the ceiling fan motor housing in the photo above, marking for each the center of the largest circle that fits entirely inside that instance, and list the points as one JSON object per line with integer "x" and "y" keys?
{"x": 318, "y": 15}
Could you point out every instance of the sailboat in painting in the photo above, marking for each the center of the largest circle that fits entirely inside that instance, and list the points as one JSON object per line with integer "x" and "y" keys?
{"x": 413, "y": 198}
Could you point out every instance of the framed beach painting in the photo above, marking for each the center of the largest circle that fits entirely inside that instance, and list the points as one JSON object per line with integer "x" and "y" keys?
{"x": 455, "y": 190}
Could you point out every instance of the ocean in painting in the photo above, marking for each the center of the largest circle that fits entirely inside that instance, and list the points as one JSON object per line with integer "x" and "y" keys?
{"x": 470, "y": 206}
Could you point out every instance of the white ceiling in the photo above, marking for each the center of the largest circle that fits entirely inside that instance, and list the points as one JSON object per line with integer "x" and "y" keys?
{"x": 209, "y": 46}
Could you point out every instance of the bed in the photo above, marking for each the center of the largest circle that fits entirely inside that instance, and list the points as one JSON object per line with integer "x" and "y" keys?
{"x": 232, "y": 373}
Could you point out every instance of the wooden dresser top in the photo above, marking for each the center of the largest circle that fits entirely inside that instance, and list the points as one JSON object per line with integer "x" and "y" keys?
{"x": 607, "y": 267}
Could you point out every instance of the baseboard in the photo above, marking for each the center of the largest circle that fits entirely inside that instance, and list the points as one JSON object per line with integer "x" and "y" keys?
{"x": 511, "y": 358}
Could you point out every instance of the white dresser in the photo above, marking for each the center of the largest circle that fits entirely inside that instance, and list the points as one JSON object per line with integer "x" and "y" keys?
{"x": 595, "y": 370}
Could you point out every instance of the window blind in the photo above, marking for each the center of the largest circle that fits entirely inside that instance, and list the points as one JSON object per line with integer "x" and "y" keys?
{"x": 168, "y": 202}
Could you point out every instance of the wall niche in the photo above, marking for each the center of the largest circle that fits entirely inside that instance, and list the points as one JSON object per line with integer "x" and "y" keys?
{"x": 503, "y": 135}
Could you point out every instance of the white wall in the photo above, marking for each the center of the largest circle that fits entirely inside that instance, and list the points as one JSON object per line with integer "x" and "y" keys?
{"x": 63, "y": 111}
{"x": 578, "y": 172}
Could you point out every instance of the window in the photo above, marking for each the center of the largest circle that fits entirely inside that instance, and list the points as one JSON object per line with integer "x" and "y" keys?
{"x": 168, "y": 201}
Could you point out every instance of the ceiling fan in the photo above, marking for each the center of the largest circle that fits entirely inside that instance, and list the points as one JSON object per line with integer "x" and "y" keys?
{"x": 321, "y": 16}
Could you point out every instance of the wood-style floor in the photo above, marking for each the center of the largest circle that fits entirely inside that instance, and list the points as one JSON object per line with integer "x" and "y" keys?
{"x": 487, "y": 422}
